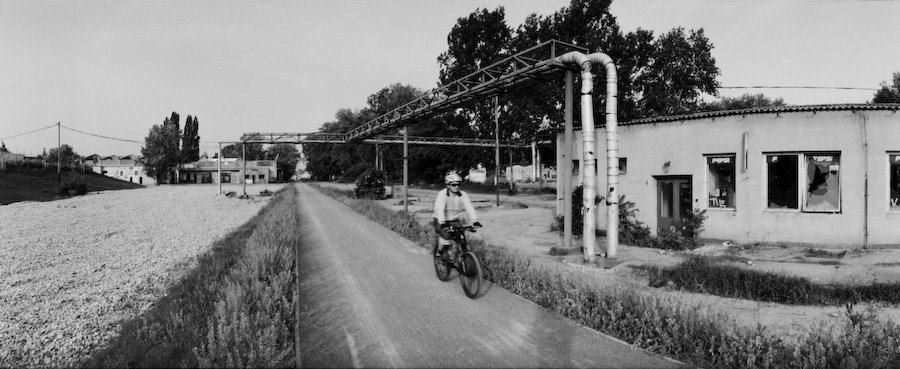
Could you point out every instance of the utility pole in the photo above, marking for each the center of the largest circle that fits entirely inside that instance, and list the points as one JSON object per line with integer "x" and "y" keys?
{"x": 405, "y": 168}
{"x": 58, "y": 157}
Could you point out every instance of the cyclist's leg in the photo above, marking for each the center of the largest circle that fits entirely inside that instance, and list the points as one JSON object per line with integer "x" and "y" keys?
{"x": 442, "y": 238}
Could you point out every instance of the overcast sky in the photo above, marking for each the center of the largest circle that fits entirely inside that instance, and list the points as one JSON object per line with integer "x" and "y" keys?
{"x": 116, "y": 68}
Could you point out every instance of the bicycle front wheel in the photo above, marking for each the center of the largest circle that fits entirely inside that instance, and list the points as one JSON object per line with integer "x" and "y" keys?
{"x": 470, "y": 275}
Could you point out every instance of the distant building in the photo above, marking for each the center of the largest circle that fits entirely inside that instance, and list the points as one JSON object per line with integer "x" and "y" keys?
{"x": 126, "y": 168}
{"x": 206, "y": 171}
{"x": 822, "y": 175}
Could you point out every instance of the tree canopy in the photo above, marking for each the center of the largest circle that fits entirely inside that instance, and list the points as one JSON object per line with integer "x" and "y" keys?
{"x": 67, "y": 155}
{"x": 160, "y": 152}
{"x": 656, "y": 76}
{"x": 745, "y": 101}
{"x": 888, "y": 93}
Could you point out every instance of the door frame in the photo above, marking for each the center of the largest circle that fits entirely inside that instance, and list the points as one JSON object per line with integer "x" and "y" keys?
{"x": 676, "y": 208}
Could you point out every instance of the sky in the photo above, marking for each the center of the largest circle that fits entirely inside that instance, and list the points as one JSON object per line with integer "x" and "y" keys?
{"x": 115, "y": 68}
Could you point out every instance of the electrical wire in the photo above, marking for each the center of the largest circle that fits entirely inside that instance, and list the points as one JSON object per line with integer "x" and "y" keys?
{"x": 22, "y": 134}
{"x": 101, "y": 136}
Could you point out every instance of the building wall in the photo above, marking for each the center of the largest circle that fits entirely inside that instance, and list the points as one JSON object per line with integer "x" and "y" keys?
{"x": 683, "y": 144}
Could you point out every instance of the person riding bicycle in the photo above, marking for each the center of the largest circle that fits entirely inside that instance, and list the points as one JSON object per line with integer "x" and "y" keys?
{"x": 449, "y": 205}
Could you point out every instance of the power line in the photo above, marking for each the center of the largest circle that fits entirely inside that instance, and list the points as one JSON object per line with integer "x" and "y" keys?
{"x": 803, "y": 87}
{"x": 101, "y": 136}
{"x": 22, "y": 134}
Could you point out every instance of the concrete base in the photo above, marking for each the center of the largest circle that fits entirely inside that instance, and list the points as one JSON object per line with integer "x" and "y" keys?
{"x": 609, "y": 263}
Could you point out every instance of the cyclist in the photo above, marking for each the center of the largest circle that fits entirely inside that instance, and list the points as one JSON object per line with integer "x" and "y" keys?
{"x": 449, "y": 205}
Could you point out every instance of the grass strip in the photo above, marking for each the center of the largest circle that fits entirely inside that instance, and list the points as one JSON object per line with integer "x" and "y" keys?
{"x": 707, "y": 275}
{"x": 690, "y": 333}
{"x": 235, "y": 308}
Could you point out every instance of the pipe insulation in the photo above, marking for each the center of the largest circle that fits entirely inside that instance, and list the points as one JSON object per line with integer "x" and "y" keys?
{"x": 612, "y": 154}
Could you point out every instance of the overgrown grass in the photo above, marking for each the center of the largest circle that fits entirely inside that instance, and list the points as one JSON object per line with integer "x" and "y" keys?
{"x": 235, "y": 308}
{"x": 706, "y": 275}
{"x": 684, "y": 331}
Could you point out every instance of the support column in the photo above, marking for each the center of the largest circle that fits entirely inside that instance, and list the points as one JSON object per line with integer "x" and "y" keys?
{"x": 244, "y": 168}
{"x": 405, "y": 168}
{"x": 220, "y": 167}
{"x": 565, "y": 176}
{"x": 497, "y": 147}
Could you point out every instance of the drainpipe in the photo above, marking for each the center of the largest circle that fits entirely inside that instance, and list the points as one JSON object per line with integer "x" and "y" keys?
{"x": 588, "y": 166}
{"x": 612, "y": 158}
{"x": 865, "y": 146}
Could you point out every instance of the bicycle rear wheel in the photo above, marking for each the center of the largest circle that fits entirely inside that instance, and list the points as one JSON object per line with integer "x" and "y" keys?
{"x": 441, "y": 265}
{"x": 470, "y": 275}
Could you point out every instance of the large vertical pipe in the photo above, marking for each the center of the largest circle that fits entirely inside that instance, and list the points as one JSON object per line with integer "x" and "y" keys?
{"x": 588, "y": 161}
{"x": 497, "y": 147}
{"x": 406, "y": 168}
{"x": 219, "y": 164}
{"x": 612, "y": 158}
{"x": 566, "y": 167}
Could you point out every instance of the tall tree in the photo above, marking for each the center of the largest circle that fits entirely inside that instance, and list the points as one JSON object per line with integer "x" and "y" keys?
{"x": 888, "y": 93}
{"x": 160, "y": 152}
{"x": 190, "y": 141}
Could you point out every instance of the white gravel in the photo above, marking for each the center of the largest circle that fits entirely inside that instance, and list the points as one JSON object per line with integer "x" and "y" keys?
{"x": 72, "y": 270}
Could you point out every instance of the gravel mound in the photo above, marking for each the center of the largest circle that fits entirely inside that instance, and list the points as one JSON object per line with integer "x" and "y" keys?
{"x": 72, "y": 270}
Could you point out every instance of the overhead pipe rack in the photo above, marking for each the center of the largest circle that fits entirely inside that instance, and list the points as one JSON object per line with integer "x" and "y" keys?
{"x": 500, "y": 77}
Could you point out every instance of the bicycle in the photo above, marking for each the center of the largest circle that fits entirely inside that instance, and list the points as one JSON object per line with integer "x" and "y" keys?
{"x": 458, "y": 256}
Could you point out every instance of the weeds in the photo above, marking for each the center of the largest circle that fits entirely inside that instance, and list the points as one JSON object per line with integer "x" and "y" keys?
{"x": 707, "y": 275}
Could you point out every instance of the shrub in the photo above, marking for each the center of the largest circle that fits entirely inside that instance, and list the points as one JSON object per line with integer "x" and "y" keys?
{"x": 370, "y": 185}
{"x": 73, "y": 186}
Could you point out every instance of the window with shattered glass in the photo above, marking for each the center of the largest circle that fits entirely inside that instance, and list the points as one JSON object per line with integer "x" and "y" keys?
{"x": 823, "y": 185}
{"x": 720, "y": 181}
{"x": 894, "y": 182}
{"x": 782, "y": 189}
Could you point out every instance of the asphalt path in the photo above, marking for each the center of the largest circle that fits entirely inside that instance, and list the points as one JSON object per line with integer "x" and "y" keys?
{"x": 370, "y": 298}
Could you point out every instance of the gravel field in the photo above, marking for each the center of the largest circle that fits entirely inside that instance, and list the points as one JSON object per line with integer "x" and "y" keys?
{"x": 71, "y": 270}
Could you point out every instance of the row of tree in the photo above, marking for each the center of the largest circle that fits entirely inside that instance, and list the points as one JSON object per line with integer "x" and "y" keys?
{"x": 167, "y": 145}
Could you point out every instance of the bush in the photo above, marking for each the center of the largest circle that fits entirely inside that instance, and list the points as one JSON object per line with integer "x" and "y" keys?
{"x": 73, "y": 186}
{"x": 370, "y": 185}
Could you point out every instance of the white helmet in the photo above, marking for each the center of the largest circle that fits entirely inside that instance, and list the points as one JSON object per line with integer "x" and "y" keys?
{"x": 452, "y": 177}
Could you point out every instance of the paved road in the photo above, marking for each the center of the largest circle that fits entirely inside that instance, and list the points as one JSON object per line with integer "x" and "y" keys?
{"x": 369, "y": 298}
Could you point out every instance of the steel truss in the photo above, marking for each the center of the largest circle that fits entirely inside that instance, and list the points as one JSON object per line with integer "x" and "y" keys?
{"x": 502, "y": 76}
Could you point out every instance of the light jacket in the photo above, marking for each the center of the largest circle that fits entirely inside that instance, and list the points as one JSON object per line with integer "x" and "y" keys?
{"x": 449, "y": 206}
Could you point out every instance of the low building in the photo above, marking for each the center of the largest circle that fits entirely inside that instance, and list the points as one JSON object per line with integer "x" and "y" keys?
{"x": 825, "y": 174}
{"x": 206, "y": 171}
{"x": 126, "y": 168}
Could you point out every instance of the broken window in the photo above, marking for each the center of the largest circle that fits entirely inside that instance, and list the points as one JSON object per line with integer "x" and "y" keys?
{"x": 720, "y": 181}
{"x": 894, "y": 182}
{"x": 781, "y": 171}
{"x": 823, "y": 192}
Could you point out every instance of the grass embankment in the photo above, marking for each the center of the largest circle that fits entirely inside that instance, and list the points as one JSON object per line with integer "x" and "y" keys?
{"x": 37, "y": 184}
{"x": 687, "y": 332}
{"x": 234, "y": 309}
{"x": 707, "y": 275}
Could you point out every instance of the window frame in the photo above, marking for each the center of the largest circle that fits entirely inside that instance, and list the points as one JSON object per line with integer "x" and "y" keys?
{"x": 802, "y": 181}
{"x": 888, "y": 155}
{"x": 734, "y": 165}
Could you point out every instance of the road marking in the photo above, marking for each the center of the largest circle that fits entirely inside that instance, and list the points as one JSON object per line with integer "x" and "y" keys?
{"x": 354, "y": 356}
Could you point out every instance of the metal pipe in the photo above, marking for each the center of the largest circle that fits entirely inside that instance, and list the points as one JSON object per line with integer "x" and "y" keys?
{"x": 612, "y": 157}
{"x": 497, "y": 147}
{"x": 244, "y": 170}
{"x": 567, "y": 162}
{"x": 588, "y": 164}
{"x": 406, "y": 168}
